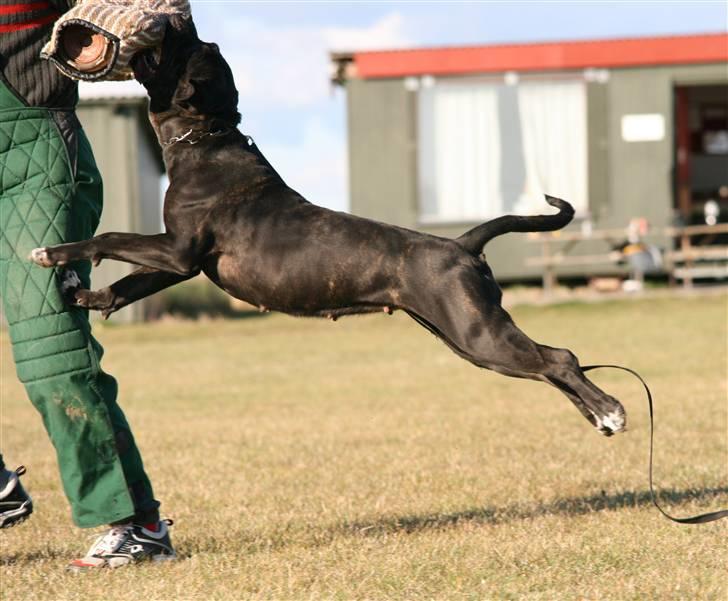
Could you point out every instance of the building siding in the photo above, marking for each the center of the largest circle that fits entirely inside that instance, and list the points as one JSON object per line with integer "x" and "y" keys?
{"x": 382, "y": 146}
{"x": 131, "y": 177}
{"x": 626, "y": 179}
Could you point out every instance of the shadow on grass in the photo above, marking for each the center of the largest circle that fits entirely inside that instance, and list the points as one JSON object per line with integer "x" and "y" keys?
{"x": 249, "y": 543}
{"x": 485, "y": 515}
{"x": 290, "y": 535}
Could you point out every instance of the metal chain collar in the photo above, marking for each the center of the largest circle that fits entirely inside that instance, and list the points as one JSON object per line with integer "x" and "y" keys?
{"x": 187, "y": 139}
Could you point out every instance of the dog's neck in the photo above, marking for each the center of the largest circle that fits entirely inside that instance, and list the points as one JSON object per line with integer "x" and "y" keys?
{"x": 193, "y": 136}
{"x": 187, "y": 141}
{"x": 173, "y": 129}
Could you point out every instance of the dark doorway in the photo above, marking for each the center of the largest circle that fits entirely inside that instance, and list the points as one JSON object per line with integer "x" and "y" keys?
{"x": 701, "y": 154}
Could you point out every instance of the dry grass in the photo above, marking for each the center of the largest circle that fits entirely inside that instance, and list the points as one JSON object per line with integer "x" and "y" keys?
{"x": 362, "y": 460}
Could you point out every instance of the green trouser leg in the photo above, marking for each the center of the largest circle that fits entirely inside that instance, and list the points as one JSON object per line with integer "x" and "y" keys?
{"x": 50, "y": 197}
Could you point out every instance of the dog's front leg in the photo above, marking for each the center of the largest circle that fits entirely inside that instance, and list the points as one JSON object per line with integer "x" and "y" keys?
{"x": 139, "y": 284}
{"x": 159, "y": 251}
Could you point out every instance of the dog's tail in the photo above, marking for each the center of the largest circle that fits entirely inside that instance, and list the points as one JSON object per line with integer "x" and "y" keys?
{"x": 474, "y": 240}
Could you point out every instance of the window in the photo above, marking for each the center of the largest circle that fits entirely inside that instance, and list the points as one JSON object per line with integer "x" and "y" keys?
{"x": 486, "y": 149}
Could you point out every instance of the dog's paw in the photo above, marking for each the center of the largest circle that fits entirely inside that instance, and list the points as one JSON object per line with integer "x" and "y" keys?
{"x": 94, "y": 300}
{"x": 90, "y": 299}
{"x": 70, "y": 284}
{"x": 612, "y": 423}
{"x": 82, "y": 298}
{"x": 44, "y": 258}
{"x": 70, "y": 281}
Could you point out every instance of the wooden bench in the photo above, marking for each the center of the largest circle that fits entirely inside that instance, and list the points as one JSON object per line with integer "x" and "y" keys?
{"x": 690, "y": 261}
{"x": 551, "y": 258}
{"x": 686, "y": 263}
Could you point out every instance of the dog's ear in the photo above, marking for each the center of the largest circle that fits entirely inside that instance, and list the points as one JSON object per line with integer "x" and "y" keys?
{"x": 198, "y": 72}
{"x": 179, "y": 33}
{"x": 185, "y": 91}
{"x": 207, "y": 86}
{"x": 181, "y": 24}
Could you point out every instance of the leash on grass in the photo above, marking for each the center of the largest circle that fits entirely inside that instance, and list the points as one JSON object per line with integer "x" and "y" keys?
{"x": 697, "y": 519}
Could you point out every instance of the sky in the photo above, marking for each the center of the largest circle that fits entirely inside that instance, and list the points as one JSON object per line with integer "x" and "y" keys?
{"x": 279, "y": 55}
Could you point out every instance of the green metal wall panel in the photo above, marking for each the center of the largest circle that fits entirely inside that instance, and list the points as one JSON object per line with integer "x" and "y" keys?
{"x": 382, "y": 150}
{"x": 128, "y": 167}
{"x": 626, "y": 179}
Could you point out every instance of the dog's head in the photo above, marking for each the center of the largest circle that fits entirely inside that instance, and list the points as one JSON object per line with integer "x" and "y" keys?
{"x": 186, "y": 77}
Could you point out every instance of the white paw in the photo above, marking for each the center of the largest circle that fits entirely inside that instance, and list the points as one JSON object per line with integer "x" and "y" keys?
{"x": 39, "y": 256}
{"x": 69, "y": 281}
{"x": 611, "y": 423}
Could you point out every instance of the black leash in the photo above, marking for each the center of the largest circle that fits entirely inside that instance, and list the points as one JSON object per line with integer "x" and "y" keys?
{"x": 698, "y": 519}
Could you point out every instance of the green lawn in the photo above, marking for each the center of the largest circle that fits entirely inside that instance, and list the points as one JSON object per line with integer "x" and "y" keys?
{"x": 305, "y": 459}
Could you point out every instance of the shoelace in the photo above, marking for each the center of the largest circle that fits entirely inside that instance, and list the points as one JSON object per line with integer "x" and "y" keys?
{"x": 110, "y": 542}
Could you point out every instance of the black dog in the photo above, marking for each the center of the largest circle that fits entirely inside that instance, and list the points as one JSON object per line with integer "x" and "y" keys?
{"x": 229, "y": 214}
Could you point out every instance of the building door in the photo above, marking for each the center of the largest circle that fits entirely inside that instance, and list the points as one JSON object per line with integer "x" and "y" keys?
{"x": 701, "y": 154}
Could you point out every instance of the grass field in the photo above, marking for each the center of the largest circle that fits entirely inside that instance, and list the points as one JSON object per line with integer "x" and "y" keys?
{"x": 361, "y": 459}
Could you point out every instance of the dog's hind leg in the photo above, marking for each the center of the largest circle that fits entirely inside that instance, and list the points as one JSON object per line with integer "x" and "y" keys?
{"x": 564, "y": 372}
{"x": 484, "y": 334}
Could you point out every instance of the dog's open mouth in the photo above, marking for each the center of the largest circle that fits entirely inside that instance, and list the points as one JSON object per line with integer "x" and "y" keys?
{"x": 145, "y": 65}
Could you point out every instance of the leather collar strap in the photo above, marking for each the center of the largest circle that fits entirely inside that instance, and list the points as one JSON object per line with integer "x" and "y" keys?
{"x": 698, "y": 519}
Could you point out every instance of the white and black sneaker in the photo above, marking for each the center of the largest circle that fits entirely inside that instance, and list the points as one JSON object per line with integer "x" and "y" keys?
{"x": 125, "y": 544}
{"x": 15, "y": 504}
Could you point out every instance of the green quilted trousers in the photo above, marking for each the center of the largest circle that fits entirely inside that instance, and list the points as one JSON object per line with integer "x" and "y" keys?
{"x": 50, "y": 193}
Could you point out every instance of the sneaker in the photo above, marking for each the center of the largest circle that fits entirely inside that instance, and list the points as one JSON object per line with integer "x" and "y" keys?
{"x": 125, "y": 544}
{"x": 15, "y": 504}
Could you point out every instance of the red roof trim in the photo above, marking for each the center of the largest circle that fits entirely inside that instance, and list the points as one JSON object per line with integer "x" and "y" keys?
{"x": 637, "y": 52}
